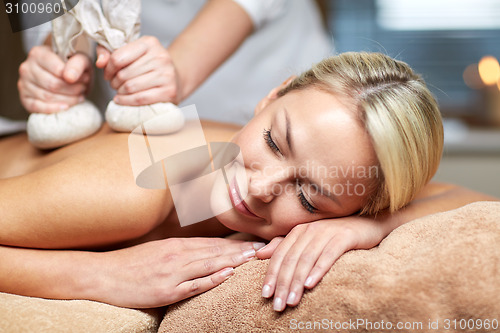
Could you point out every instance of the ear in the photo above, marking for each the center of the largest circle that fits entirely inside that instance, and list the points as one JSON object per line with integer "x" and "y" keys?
{"x": 273, "y": 94}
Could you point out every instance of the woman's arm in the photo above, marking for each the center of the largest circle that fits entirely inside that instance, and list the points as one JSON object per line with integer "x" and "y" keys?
{"x": 304, "y": 256}
{"x": 434, "y": 198}
{"x": 148, "y": 275}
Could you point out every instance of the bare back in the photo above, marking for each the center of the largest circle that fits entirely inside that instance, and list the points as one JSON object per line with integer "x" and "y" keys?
{"x": 86, "y": 187}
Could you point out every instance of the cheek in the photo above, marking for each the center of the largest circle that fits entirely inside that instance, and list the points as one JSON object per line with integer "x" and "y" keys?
{"x": 286, "y": 214}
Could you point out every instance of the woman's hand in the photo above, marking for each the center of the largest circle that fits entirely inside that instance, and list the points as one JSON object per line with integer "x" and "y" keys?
{"x": 163, "y": 272}
{"x": 305, "y": 255}
{"x": 46, "y": 84}
{"x": 142, "y": 72}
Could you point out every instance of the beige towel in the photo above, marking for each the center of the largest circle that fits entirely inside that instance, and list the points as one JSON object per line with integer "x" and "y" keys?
{"x": 30, "y": 314}
{"x": 441, "y": 267}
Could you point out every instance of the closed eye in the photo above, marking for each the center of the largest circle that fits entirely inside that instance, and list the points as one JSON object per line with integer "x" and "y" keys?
{"x": 305, "y": 203}
{"x": 270, "y": 142}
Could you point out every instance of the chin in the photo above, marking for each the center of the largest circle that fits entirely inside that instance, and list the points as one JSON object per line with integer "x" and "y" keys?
{"x": 230, "y": 220}
{"x": 233, "y": 221}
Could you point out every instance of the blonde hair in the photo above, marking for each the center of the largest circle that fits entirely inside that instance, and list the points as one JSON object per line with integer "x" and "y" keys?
{"x": 397, "y": 110}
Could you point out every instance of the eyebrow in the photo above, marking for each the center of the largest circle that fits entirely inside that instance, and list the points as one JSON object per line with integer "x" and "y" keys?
{"x": 289, "y": 133}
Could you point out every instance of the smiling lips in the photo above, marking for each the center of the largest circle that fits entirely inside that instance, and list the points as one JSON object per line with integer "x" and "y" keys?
{"x": 236, "y": 199}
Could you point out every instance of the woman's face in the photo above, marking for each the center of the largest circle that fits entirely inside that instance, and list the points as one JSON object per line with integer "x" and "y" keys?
{"x": 306, "y": 158}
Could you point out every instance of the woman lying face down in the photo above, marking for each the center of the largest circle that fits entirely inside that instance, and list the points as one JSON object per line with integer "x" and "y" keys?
{"x": 358, "y": 133}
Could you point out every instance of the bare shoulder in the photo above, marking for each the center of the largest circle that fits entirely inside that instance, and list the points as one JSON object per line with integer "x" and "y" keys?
{"x": 20, "y": 157}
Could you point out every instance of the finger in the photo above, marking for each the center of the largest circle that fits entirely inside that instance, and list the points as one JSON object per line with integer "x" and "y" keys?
{"x": 157, "y": 61}
{"x": 75, "y": 67}
{"x": 103, "y": 56}
{"x": 44, "y": 57}
{"x": 150, "y": 96}
{"x": 84, "y": 79}
{"x": 287, "y": 274}
{"x": 194, "y": 243}
{"x": 210, "y": 263}
{"x": 314, "y": 250}
{"x": 33, "y": 105}
{"x": 145, "y": 82}
{"x": 140, "y": 67}
{"x": 233, "y": 251}
{"x": 123, "y": 57}
{"x": 267, "y": 251}
{"x": 37, "y": 100}
{"x": 275, "y": 264}
{"x": 46, "y": 80}
{"x": 66, "y": 93}
{"x": 200, "y": 285}
{"x": 331, "y": 253}
{"x": 46, "y": 96}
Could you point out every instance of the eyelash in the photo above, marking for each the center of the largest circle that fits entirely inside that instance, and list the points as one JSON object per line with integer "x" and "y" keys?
{"x": 270, "y": 142}
{"x": 310, "y": 208}
{"x": 272, "y": 145}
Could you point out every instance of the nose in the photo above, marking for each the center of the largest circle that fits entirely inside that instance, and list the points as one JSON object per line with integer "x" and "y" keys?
{"x": 267, "y": 183}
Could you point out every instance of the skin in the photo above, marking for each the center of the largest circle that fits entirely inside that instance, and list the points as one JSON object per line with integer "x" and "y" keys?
{"x": 162, "y": 269}
{"x": 47, "y": 84}
{"x": 94, "y": 202}
{"x": 327, "y": 135}
{"x": 142, "y": 72}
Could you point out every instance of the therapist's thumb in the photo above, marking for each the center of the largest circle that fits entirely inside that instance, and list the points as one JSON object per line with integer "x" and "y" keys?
{"x": 75, "y": 67}
{"x": 103, "y": 56}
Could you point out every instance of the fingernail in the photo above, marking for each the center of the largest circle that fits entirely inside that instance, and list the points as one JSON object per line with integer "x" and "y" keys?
{"x": 308, "y": 282}
{"x": 249, "y": 254}
{"x": 63, "y": 107}
{"x": 277, "y": 304}
{"x": 81, "y": 99}
{"x": 227, "y": 272}
{"x": 266, "y": 291}
{"x": 291, "y": 298}
{"x": 100, "y": 57}
{"x": 258, "y": 246}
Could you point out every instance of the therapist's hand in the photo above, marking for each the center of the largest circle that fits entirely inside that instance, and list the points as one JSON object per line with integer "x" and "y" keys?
{"x": 305, "y": 255}
{"x": 47, "y": 84}
{"x": 141, "y": 72}
{"x": 163, "y": 272}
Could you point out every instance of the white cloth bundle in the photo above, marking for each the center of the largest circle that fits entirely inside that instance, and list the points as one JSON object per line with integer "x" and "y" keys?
{"x": 124, "y": 118}
{"x": 54, "y": 130}
{"x": 47, "y": 131}
{"x": 113, "y": 25}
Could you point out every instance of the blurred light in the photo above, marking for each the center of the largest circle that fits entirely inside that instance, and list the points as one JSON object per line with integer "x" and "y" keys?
{"x": 472, "y": 78}
{"x": 489, "y": 70}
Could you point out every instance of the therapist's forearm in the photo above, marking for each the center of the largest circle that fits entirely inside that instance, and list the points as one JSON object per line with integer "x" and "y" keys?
{"x": 434, "y": 198}
{"x": 210, "y": 39}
